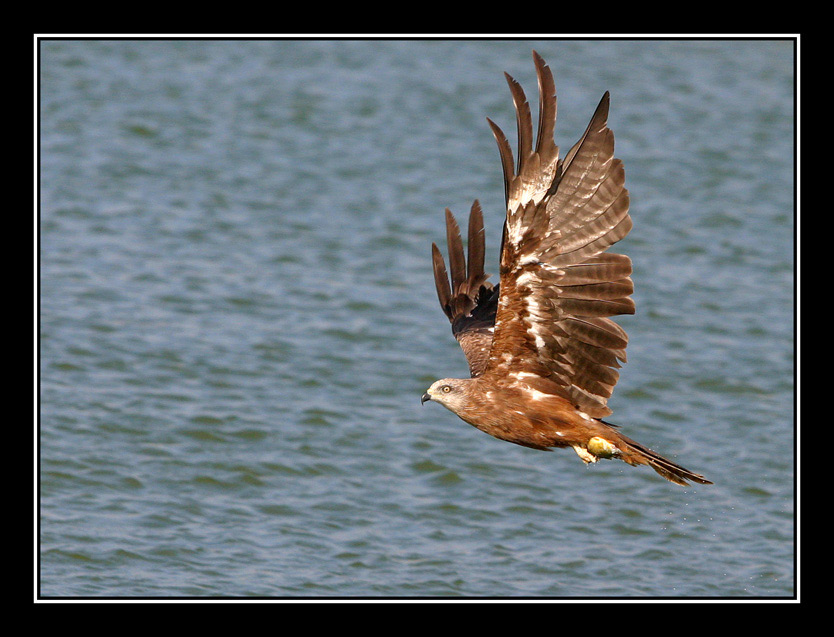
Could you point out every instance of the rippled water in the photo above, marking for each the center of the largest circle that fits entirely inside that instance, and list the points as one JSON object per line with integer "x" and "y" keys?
{"x": 237, "y": 320}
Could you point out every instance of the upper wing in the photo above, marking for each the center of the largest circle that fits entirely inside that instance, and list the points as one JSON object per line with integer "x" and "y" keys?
{"x": 471, "y": 301}
{"x": 558, "y": 286}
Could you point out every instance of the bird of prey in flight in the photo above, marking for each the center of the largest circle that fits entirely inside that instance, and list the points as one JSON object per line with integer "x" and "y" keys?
{"x": 543, "y": 353}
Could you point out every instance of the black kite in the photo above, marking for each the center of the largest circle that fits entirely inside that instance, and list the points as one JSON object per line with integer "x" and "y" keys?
{"x": 541, "y": 349}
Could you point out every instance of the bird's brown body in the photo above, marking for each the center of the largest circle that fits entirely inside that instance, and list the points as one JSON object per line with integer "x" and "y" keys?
{"x": 541, "y": 347}
{"x": 508, "y": 414}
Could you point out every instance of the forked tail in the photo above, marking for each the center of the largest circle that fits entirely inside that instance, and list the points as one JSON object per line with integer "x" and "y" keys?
{"x": 635, "y": 454}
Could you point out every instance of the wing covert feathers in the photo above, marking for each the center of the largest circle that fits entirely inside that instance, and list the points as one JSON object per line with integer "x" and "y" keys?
{"x": 558, "y": 284}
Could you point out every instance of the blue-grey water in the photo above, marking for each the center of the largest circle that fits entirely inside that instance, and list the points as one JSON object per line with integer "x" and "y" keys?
{"x": 238, "y": 318}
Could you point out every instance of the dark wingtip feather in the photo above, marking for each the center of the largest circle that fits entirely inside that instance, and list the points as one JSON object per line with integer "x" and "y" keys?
{"x": 457, "y": 262}
{"x": 523, "y": 120}
{"x": 599, "y": 121}
{"x": 506, "y": 155}
{"x": 476, "y": 246}
{"x": 601, "y": 113}
{"x": 441, "y": 280}
{"x": 547, "y": 107}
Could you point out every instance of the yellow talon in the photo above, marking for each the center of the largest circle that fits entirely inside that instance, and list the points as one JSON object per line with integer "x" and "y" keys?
{"x": 602, "y": 448}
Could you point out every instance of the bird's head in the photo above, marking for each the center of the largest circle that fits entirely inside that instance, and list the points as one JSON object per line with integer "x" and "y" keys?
{"x": 452, "y": 393}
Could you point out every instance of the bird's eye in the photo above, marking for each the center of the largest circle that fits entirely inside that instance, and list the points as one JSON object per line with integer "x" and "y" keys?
{"x": 445, "y": 389}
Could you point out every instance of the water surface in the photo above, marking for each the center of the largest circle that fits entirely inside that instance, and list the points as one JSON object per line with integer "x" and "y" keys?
{"x": 237, "y": 320}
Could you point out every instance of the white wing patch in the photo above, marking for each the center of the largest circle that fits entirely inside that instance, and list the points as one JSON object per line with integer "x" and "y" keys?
{"x": 527, "y": 191}
{"x": 526, "y": 278}
{"x": 533, "y": 394}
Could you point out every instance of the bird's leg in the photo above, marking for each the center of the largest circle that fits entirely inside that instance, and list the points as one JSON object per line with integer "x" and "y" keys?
{"x": 598, "y": 447}
{"x": 587, "y": 458}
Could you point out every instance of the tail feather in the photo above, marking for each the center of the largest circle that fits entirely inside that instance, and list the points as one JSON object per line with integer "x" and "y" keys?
{"x": 636, "y": 453}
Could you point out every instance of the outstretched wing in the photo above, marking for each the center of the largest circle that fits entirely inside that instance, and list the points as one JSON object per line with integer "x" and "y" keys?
{"x": 470, "y": 301}
{"x": 558, "y": 285}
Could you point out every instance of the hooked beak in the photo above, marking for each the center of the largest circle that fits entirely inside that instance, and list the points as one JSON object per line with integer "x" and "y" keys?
{"x": 424, "y": 398}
